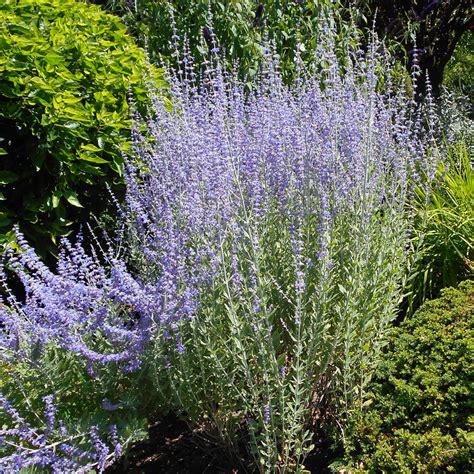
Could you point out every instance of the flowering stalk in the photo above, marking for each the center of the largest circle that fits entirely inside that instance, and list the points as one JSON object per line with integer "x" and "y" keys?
{"x": 24, "y": 446}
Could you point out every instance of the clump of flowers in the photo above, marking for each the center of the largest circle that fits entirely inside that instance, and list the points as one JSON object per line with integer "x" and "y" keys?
{"x": 99, "y": 312}
{"x": 277, "y": 223}
{"x": 53, "y": 446}
{"x": 268, "y": 233}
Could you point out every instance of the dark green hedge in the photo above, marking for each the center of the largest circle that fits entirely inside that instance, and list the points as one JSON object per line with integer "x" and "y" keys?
{"x": 421, "y": 416}
{"x": 66, "y": 68}
{"x": 240, "y": 28}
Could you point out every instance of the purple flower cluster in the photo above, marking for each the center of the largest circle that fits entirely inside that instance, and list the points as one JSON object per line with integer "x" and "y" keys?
{"x": 219, "y": 162}
{"x": 218, "y": 158}
{"x": 24, "y": 446}
{"x": 223, "y": 161}
{"x": 206, "y": 180}
{"x": 99, "y": 312}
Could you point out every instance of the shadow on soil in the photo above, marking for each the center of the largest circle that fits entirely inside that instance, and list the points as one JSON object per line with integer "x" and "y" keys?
{"x": 172, "y": 448}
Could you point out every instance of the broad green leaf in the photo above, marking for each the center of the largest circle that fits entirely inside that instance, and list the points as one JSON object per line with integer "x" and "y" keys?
{"x": 72, "y": 125}
{"x": 7, "y": 177}
{"x": 92, "y": 158}
{"x": 55, "y": 199}
{"x": 90, "y": 147}
{"x": 54, "y": 58}
{"x": 72, "y": 199}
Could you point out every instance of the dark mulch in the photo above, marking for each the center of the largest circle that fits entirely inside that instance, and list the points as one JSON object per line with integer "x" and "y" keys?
{"x": 172, "y": 448}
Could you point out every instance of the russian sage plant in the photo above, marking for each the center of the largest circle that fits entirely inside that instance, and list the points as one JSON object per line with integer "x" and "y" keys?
{"x": 267, "y": 243}
{"x": 275, "y": 224}
{"x": 100, "y": 313}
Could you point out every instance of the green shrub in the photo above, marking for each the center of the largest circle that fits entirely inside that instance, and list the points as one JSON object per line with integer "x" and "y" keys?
{"x": 65, "y": 70}
{"x": 420, "y": 419}
{"x": 459, "y": 72}
{"x": 241, "y": 29}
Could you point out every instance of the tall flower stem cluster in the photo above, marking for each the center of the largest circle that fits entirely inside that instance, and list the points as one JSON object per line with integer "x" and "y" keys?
{"x": 102, "y": 314}
{"x": 277, "y": 225}
{"x": 267, "y": 238}
{"x": 78, "y": 333}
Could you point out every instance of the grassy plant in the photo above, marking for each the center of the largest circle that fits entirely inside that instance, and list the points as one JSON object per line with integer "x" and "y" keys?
{"x": 445, "y": 228}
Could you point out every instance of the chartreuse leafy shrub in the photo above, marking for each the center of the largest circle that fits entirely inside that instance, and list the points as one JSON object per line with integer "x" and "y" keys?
{"x": 421, "y": 415}
{"x": 265, "y": 247}
{"x": 65, "y": 70}
{"x": 445, "y": 227}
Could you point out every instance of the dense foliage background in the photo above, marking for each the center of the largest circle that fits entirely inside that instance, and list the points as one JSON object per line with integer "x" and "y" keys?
{"x": 241, "y": 30}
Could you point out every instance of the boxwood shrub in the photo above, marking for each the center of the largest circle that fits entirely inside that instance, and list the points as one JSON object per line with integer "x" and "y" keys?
{"x": 421, "y": 415}
{"x": 66, "y": 68}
